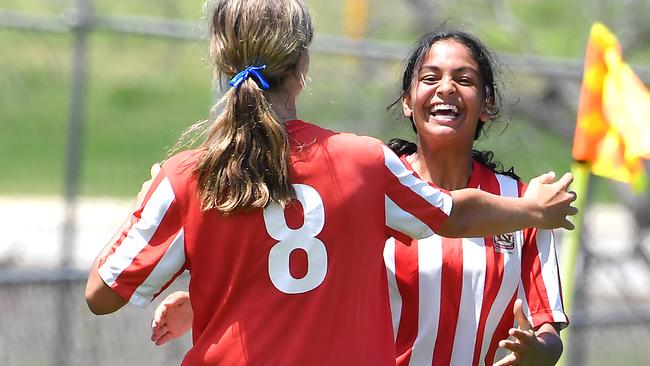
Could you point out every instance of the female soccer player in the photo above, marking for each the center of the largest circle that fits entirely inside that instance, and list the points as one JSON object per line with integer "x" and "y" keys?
{"x": 454, "y": 301}
{"x": 282, "y": 223}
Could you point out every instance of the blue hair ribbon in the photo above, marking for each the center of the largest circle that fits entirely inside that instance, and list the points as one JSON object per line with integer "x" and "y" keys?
{"x": 249, "y": 71}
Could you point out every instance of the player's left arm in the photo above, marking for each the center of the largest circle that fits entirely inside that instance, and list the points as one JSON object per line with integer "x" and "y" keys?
{"x": 537, "y": 347}
{"x": 101, "y": 299}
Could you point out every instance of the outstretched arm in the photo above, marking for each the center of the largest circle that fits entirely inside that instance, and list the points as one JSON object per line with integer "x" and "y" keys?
{"x": 545, "y": 205}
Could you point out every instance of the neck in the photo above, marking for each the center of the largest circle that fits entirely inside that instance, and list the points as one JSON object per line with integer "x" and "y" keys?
{"x": 283, "y": 99}
{"x": 449, "y": 167}
{"x": 283, "y": 105}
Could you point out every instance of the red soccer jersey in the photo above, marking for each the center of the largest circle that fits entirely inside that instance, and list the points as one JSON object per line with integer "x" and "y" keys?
{"x": 452, "y": 299}
{"x": 301, "y": 286}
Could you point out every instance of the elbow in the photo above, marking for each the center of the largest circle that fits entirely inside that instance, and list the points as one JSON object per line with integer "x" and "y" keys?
{"x": 95, "y": 305}
{"x": 452, "y": 228}
{"x": 94, "y": 308}
{"x": 101, "y": 299}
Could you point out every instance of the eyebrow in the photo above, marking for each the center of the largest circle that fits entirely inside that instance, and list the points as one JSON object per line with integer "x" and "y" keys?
{"x": 457, "y": 70}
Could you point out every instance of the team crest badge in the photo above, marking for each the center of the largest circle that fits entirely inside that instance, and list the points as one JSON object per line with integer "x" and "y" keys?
{"x": 504, "y": 242}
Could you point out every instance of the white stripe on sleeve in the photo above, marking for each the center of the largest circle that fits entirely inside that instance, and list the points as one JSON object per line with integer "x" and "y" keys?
{"x": 171, "y": 262}
{"x": 139, "y": 234}
{"x": 548, "y": 260}
{"x": 406, "y": 177}
{"x": 404, "y": 222}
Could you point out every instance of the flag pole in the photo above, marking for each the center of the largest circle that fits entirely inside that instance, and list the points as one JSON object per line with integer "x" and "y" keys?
{"x": 571, "y": 248}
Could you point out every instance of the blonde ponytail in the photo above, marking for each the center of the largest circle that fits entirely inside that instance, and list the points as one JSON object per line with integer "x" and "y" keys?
{"x": 246, "y": 164}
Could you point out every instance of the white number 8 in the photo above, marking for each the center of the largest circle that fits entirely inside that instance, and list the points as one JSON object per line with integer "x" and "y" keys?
{"x": 302, "y": 238}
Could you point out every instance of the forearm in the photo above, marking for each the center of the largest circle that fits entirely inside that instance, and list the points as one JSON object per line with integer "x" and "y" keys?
{"x": 478, "y": 214}
{"x": 551, "y": 342}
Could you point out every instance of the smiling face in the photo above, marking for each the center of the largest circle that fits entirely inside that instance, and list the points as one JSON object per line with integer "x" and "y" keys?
{"x": 446, "y": 98}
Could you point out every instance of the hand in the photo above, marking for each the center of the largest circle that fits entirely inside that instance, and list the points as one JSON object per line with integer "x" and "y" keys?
{"x": 526, "y": 348}
{"x": 172, "y": 318}
{"x": 552, "y": 200}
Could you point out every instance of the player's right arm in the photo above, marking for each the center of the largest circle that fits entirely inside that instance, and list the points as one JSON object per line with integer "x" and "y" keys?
{"x": 477, "y": 213}
{"x": 415, "y": 208}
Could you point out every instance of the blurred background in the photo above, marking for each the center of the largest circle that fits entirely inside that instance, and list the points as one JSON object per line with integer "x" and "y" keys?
{"x": 93, "y": 92}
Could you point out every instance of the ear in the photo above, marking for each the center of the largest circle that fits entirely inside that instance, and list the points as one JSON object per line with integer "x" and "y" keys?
{"x": 303, "y": 62}
{"x": 484, "y": 116}
{"x": 406, "y": 106}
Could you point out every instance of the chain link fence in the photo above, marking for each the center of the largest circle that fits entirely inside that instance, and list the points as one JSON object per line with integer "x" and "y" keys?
{"x": 91, "y": 93}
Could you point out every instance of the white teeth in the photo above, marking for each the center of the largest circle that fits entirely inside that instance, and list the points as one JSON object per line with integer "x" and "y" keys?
{"x": 445, "y": 107}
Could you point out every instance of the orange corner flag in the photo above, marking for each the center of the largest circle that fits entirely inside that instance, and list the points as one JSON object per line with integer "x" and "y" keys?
{"x": 613, "y": 124}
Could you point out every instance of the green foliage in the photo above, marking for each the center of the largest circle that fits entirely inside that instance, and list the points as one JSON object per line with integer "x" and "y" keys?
{"x": 33, "y": 101}
{"x": 143, "y": 94}
{"x": 135, "y": 110}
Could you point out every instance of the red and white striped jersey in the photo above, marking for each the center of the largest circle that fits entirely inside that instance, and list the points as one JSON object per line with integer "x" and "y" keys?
{"x": 452, "y": 299}
{"x": 304, "y": 285}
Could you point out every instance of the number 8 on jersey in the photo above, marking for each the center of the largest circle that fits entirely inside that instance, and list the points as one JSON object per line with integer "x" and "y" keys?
{"x": 303, "y": 238}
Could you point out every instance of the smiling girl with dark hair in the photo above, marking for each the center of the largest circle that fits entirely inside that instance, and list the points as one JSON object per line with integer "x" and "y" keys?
{"x": 454, "y": 301}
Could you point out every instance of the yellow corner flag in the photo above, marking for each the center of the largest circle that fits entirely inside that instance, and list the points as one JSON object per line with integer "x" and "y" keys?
{"x": 613, "y": 124}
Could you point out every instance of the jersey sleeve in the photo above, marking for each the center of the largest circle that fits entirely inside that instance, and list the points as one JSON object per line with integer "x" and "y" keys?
{"x": 413, "y": 207}
{"x": 540, "y": 280}
{"x": 150, "y": 252}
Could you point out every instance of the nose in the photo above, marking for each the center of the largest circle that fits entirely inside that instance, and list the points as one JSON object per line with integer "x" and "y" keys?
{"x": 445, "y": 87}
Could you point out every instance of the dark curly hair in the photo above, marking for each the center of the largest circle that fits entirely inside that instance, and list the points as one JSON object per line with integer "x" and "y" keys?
{"x": 485, "y": 61}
